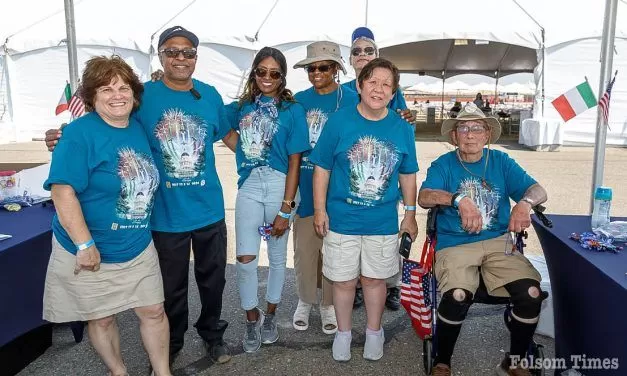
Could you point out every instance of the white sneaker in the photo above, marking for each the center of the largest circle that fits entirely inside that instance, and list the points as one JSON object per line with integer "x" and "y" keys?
{"x": 329, "y": 321}
{"x": 342, "y": 347}
{"x": 301, "y": 316}
{"x": 373, "y": 349}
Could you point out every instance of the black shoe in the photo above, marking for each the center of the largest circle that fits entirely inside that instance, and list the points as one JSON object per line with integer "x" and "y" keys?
{"x": 218, "y": 352}
{"x": 359, "y": 298}
{"x": 393, "y": 299}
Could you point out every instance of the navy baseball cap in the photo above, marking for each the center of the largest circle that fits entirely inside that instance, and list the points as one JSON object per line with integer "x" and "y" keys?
{"x": 362, "y": 32}
{"x": 177, "y": 31}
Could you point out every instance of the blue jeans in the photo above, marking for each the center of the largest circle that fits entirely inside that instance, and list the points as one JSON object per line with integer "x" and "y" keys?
{"x": 258, "y": 202}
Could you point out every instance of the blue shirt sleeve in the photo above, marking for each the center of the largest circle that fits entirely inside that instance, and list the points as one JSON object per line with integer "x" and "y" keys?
{"x": 409, "y": 165}
{"x": 298, "y": 139}
{"x": 69, "y": 164}
{"x": 436, "y": 177}
{"x": 516, "y": 178}
{"x": 324, "y": 152}
{"x": 224, "y": 125}
{"x": 230, "y": 114}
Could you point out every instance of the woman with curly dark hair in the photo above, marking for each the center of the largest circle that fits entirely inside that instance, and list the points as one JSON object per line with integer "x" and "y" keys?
{"x": 272, "y": 134}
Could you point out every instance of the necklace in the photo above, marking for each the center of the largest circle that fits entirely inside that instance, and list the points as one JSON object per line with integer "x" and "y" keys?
{"x": 484, "y": 183}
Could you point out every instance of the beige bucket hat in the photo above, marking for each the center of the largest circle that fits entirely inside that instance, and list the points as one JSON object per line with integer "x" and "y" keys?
{"x": 321, "y": 51}
{"x": 472, "y": 112}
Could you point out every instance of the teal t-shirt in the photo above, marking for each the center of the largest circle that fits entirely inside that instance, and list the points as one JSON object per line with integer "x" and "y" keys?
{"x": 267, "y": 138}
{"x": 181, "y": 130}
{"x": 113, "y": 174}
{"x": 397, "y": 102}
{"x": 318, "y": 108}
{"x": 505, "y": 179}
{"x": 365, "y": 159}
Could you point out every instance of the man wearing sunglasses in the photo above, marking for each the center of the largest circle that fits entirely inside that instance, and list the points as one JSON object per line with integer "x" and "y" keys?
{"x": 363, "y": 50}
{"x": 182, "y": 118}
{"x": 473, "y": 186}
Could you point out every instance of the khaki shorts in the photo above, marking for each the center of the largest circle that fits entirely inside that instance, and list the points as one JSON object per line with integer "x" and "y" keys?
{"x": 345, "y": 257}
{"x": 458, "y": 267}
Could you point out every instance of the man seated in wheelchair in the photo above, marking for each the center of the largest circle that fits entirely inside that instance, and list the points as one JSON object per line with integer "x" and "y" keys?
{"x": 473, "y": 186}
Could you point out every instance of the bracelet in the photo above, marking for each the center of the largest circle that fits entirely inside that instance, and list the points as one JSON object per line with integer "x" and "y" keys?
{"x": 82, "y": 246}
{"x": 284, "y": 215}
{"x": 410, "y": 207}
{"x": 458, "y": 198}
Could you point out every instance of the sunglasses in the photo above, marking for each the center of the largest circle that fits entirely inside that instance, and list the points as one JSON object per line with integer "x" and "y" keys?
{"x": 367, "y": 51}
{"x": 263, "y": 72}
{"x": 320, "y": 68}
{"x": 188, "y": 53}
{"x": 475, "y": 129}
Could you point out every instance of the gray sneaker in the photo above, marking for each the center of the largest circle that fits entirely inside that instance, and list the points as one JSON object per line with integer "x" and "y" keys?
{"x": 252, "y": 336}
{"x": 269, "y": 330}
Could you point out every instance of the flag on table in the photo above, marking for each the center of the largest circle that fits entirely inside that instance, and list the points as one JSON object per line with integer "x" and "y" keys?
{"x": 76, "y": 106}
{"x": 416, "y": 297}
{"x": 64, "y": 100}
{"x": 604, "y": 102}
{"x": 575, "y": 101}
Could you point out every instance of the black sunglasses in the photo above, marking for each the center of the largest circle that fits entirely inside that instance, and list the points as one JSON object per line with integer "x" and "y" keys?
{"x": 263, "y": 72}
{"x": 320, "y": 68}
{"x": 188, "y": 53}
{"x": 358, "y": 50}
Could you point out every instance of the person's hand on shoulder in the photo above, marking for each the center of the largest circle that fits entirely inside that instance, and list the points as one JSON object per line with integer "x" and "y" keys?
{"x": 52, "y": 138}
{"x": 156, "y": 75}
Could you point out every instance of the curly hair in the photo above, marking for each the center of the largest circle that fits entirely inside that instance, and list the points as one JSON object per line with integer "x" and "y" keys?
{"x": 251, "y": 90}
{"x": 100, "y": 71}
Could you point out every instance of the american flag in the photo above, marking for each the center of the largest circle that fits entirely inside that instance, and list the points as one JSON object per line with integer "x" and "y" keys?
{"x": 76, "y": 106}
{"x": 604, "y": 102}
{"x": 416, "y": 297}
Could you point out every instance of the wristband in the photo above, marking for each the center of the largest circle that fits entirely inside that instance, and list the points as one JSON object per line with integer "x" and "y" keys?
{"x": 82, "y": 246}
{"x": 458, "y": 198}
{"x": 284, "y": 215}
{"x": 410, "y": 207}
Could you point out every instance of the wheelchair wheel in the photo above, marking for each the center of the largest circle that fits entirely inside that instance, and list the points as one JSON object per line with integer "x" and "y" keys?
{"x": 427, "y": 355}
{"x": 538, "y": 353}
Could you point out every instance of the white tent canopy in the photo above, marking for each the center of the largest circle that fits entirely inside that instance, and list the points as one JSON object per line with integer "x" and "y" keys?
{"x": 34, "y": 63}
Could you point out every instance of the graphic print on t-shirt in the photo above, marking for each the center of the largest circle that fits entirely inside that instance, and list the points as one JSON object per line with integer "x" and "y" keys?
{"x": 316, "y": 119}
{"x": 372, "y": 163}
{"x": 140, "y": 179}
{"x": 256, "y": 132}
{"x": 182, "y": 140}
{"x": 487, "y": 200}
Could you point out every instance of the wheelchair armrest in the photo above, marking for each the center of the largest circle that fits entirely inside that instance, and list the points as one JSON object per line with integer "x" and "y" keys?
{"x": 539, "y": 212}
{"x": 432, "y": 216}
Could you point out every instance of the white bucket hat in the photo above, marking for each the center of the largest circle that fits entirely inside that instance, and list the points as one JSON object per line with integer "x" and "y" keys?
{"x": 472, "y": 112}
{"x": 322, "y": 51}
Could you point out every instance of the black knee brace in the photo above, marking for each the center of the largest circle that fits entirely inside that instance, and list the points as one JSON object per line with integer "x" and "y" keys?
{"x": 524, "y": 305}
{"x": 452, "y": 309}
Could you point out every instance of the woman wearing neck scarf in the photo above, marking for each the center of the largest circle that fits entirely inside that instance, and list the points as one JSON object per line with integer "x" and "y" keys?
{"x": 326, "y": 96}
{"x": 363, "y": 51}
{"x": 272, "y": 135}
{"x": 363, "y": 154}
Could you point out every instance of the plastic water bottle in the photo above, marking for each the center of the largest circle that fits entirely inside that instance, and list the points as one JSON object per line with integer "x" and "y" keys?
{"x": 602, "y": 204}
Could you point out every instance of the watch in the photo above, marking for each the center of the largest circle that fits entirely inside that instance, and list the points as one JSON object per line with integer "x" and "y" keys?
{"x": 291, "y": 204}
{"x": 529, "y": 201}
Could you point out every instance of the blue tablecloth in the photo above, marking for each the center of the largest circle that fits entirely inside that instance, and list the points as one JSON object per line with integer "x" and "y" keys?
{"x": 23, "y": 264}
{"x": 589, "y": 295}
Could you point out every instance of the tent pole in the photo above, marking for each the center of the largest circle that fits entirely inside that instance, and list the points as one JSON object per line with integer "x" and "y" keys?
{"x": 442, "y": 108}
{"x": 607, "y": 57}
{"x": 71, "y": 44}
{"x": 496, "y": 88}
{"x": 543, "y": 67}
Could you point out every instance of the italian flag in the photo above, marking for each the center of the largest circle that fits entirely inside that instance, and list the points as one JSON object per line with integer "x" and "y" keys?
{"x": 64, "y": 101}
{"x": 575, "y": 101}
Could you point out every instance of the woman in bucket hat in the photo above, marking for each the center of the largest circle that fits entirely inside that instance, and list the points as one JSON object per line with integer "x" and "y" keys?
{"x": 322, "y": 64}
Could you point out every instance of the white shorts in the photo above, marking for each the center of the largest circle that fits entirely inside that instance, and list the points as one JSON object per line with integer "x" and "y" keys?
{"x": 348, "y": 256}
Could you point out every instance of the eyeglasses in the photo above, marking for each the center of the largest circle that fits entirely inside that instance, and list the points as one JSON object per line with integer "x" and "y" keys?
{"x": 358, "y": 51}
{"x": 320, "y": 68}
{"x": 263, "y": 72}
{"x": 475, "y": 129}
{"x": 188, "y": 53}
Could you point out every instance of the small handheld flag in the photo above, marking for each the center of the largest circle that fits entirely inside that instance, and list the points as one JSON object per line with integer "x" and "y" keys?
{"x": 604, "y": 102}
{"x": 575, "y": 101}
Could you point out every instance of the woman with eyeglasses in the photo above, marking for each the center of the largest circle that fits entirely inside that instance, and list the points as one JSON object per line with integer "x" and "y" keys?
{"x": 326, "y": 96}
{"x": 272, "y": 135}
{"x": 364, "y": 50}
{"x": 363, "y": 154}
